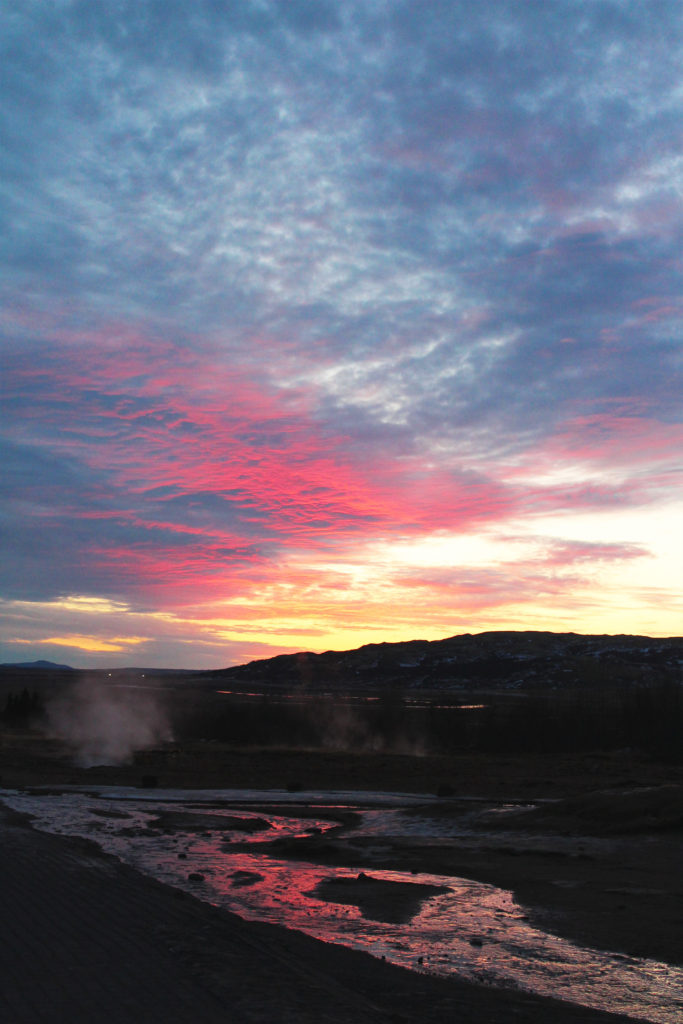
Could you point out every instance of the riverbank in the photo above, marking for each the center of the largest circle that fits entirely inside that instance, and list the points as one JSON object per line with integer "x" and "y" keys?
{"x": 598, "y": 864}
{"x": 30, "y": 758}
{"x": 89, "y": 939}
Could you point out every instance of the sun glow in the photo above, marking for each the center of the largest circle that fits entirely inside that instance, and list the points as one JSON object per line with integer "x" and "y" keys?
{"x": 95, "y": 644}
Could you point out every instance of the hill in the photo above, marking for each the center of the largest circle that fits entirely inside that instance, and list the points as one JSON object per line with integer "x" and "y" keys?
{"x": 493, "y": 660}
{"x": 46, "y": 666}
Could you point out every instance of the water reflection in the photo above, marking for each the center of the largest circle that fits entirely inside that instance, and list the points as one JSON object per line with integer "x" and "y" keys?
{"x": 213, "y": 845}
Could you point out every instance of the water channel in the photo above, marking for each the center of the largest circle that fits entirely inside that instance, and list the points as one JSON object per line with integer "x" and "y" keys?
{"x": 217, "y": 848}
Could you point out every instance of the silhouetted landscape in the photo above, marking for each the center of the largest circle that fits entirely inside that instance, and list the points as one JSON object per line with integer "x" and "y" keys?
{"x": 576, "y": 737}
{"x": 491, "y": 692}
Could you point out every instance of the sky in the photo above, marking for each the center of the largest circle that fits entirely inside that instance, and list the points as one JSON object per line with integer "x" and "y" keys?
{"x": 325, "y": 324}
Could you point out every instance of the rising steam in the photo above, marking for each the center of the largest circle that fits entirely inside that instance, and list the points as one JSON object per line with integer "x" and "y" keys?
{"x": 107, "y": 726}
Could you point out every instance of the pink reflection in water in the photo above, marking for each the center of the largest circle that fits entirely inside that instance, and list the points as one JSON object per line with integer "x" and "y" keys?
{"x": 458, "y": 926}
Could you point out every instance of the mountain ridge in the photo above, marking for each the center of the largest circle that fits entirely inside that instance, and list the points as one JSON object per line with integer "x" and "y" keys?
{"x": 500, "y": 659}
{"x": 50, "y": 666}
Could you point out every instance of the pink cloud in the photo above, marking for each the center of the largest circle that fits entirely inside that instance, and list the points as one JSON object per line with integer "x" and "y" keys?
{"x": 205, "y": 476}
{"x": 470, "y": 591}
{"x": 155, "y": 416}
{"x": 639, "y": 455}
{"x": 658, "y": 309}
{"x": 562, "y": 553}
{"x": 618, "y": 440}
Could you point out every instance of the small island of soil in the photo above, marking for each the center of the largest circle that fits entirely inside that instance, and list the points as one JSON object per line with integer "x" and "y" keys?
{"x": 377, "y": 899}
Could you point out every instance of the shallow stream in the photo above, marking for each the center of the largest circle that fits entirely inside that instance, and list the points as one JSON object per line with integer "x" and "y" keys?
{"x": 441, "y": 924}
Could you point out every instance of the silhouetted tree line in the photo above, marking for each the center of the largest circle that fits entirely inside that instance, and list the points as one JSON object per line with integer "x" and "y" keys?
{"x": 645, "y": 717}
{"x": 278, "y": 721}
{"x": 23, "y": 708}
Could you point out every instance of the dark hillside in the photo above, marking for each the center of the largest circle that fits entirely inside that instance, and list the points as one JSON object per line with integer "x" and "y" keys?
{"x": 496, "y": 660}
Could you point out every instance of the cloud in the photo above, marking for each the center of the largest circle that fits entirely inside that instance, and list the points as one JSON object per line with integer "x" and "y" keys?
{"x": 283, "y": 280}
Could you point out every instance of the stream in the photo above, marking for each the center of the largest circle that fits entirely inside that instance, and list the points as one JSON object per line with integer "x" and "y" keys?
{"x": 213, "y": 844}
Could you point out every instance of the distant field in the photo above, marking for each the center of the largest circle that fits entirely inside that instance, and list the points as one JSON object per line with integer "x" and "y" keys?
{"x": 644, "y": 715}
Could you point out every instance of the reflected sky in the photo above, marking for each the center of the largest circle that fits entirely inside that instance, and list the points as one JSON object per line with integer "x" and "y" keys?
{"x": 216, "y": 848}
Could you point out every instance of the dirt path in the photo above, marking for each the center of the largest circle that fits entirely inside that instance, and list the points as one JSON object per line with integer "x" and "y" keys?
{"x": 87, "y": 940}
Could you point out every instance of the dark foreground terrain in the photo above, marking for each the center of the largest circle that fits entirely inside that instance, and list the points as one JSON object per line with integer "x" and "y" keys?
{"x": 88, "y": 940}
{"x": 91, "y": 940}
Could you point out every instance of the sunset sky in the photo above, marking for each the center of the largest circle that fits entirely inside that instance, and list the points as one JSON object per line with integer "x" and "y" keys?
{"x": 333, "y": 323}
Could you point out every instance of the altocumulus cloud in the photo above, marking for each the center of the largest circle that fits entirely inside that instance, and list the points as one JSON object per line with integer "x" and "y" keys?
{"x": 295, "y": 292}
